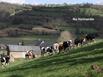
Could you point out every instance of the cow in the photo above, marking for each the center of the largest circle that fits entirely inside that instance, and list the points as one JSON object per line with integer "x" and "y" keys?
{"x": 67, "y": 44}
{"x": 56, "y": 47}
{"x": 61, "y": 47}
{"x": 4, "y": 59}
{"x": 64, "y": 45}
{"x": 48, "y": 50}
{"x": 29, "y": 55}
{"x": 42, "y": 51}
{"x": 7, "y": 57}
{"x": 79, "y": 41}
{"x": 70, "y": 43}
{"x": 91, "y": 36}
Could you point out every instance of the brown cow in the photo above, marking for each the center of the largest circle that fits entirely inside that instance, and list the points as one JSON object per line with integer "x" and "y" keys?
{"x": 30, "y": 55}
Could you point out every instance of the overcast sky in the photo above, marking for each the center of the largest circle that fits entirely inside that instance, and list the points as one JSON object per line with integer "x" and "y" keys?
{"x": 53, "y": 1}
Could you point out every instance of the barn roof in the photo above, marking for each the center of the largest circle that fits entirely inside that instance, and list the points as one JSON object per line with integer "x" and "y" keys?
{"x": 3, "y": 46}
{"x": 18, "y": 48}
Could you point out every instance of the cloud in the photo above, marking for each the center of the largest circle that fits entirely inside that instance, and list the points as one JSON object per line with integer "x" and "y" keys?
{"x": 14, "y": 1}
{"x": 99, "y": 2}
{"x": 48, "y": 1}
{"x": 36, "y": 2}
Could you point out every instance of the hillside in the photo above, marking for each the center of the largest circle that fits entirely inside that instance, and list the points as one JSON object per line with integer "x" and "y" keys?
{"x": 7, "y": 10}
{"x": 76, "y": 63}
{"x": 52, "y": 17}
{"x": 44, "y": 16}
{"x": 11, "y": 8}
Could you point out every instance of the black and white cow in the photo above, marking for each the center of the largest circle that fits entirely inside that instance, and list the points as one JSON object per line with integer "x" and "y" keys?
{"x": 48, "y": 50}
{"x": 67, "y": 44}
{"x": 4, "y": 59}
{"x": 79, "y": 41}
{"x": 91, "y": 36}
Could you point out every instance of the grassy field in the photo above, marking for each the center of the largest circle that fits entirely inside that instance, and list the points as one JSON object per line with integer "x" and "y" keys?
{"x": 75, "y": 63}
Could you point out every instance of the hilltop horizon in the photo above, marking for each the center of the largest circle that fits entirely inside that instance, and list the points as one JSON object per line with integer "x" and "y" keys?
{"x": 43, "y": 2}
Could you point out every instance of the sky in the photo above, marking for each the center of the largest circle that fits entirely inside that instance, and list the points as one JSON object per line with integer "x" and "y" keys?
{"x": 36, "y": 2}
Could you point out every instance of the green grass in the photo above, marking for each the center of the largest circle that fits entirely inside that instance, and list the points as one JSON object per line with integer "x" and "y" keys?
{"x": 75, "y": 63}
{"x": 91, "y": 11}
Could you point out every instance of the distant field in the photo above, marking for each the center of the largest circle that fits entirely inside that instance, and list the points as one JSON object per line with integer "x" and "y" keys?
{"x": 28, "y": 40}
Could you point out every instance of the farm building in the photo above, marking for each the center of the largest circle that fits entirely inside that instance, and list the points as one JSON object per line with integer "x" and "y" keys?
{"x": 19, "y": 51}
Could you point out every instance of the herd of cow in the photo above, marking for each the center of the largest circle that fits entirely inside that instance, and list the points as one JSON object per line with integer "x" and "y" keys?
{"x": 55, "y": 48}
{"x": 62, "y": 46}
